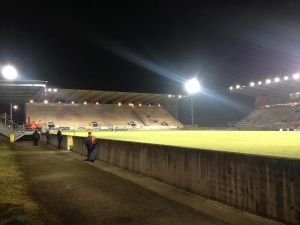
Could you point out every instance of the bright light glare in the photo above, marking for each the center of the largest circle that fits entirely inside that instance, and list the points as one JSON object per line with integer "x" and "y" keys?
{"x": 15, "y": 106}
{"x": 259, "y": 82}
{"x": 230, "y": 88}
{"x": 296, "y": 76}
{"x": 9, "y": 72}
{"x": 252, "y": 84}
{"x": 276, "y": 79}
{"x": 268, "y": 81}
{"x": 286, "y": 78}
{"x": 237, "y": 86}
{"x": 192, "y": 86}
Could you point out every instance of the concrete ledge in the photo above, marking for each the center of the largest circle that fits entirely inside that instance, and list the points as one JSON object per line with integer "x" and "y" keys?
{"x": 265, "y": 186}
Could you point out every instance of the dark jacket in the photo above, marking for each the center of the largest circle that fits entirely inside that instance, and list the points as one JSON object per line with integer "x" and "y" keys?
{"x": 59, "y": 135}
{"x": 36, "y": 135}
{"x": 88, "y": 143}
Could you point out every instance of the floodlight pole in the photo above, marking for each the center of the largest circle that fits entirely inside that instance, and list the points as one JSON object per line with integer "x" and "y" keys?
{"x": 192, "y": 86}
{"x": 11, "y": 119}
{"x": 192, "y": 110}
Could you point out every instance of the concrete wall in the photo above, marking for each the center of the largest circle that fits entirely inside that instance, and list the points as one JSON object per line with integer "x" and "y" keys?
{"x": 266, "y": 186}
{"x": 53, "y": 140}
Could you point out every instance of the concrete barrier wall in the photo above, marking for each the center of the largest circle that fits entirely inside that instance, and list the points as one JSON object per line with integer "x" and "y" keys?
{"x": 53, "y": 140}
{"x": 266, "y": 186}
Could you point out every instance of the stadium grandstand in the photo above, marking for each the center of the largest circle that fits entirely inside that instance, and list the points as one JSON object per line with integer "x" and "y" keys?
{"x": 277, "y": 104}
{"x": 71, "y": 109}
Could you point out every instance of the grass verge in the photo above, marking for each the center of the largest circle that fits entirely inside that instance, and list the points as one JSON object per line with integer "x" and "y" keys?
{"x": 16, "y": 207}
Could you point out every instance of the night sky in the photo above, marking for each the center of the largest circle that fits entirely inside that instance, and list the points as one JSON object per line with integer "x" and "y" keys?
{"x": 152, "y": 46}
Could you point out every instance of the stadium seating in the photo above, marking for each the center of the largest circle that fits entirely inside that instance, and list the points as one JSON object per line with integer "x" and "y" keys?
{"x": 271, "y": 118}
{"x": 66, "y": 115}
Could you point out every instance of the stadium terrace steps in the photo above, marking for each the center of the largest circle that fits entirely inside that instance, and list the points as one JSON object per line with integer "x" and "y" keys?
{"x": 103, "y": 114}
{"x": 272, "y": 117}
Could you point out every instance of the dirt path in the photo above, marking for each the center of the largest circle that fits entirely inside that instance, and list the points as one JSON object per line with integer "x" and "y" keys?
{"x": 71, "y": 191}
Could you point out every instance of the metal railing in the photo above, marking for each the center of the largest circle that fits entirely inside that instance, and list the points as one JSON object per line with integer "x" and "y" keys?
{"x": 8, "y": 127}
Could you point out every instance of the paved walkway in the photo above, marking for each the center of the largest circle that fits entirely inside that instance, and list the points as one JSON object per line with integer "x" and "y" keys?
{"x": 72, "y": 191}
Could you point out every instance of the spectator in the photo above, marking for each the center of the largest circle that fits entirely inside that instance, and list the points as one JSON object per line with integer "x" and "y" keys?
{"x": 36, "y": 138}
{"x": 47, "y": 137}
{"x": 39, "y": 126}
{"x": 90, "y": 143}
{"x": 33, "y": 126}
{"x": 59, "y": 139}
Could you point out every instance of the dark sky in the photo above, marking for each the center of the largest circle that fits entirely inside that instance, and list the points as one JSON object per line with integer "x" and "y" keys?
{"x": 150, "y": 46}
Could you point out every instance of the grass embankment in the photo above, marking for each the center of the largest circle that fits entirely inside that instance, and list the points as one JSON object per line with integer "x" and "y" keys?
{"x": 16, "y": 207}
{"x": 269, "y": 143}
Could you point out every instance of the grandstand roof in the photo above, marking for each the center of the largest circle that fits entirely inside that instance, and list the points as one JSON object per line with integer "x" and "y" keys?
{"x": 271, "y": 88}
{"x": 25, "y": 91}
{"x": 20, "y": 91}
{"x": 109, "y": 97}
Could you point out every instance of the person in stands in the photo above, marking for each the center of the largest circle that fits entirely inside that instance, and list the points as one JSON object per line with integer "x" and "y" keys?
{"x": 59, "y": 139}
{"x": 36, "y": 138}
{"x": 90, "y": 143}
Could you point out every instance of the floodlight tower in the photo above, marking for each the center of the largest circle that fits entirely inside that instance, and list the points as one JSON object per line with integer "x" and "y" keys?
{"x": 192, "y": 86}
{"x": 10, "y": 73}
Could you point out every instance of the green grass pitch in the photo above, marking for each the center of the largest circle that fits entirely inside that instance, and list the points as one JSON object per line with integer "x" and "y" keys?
{"x": 271, "y": 143}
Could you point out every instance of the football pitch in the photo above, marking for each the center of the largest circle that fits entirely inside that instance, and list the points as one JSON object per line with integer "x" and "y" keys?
{"x": 271, "y": 143}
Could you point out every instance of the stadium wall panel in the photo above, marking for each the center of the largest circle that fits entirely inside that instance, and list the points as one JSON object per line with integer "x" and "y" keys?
{"x": 266, "y": 186}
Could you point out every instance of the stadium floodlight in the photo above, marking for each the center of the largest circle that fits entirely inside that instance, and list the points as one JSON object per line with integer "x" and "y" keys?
{"x": 9, "y": 72}
{"x": 252, "y": 84}
{"x": 192, "y": 86}
{"x": 259, "y": 83}
{"x": 296, "y": 76}
{"x": 276, "y": 79}
{"x": 237, "y": 86}
{"x": 268, "y": 81}
{"x": 286, "y": 78}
